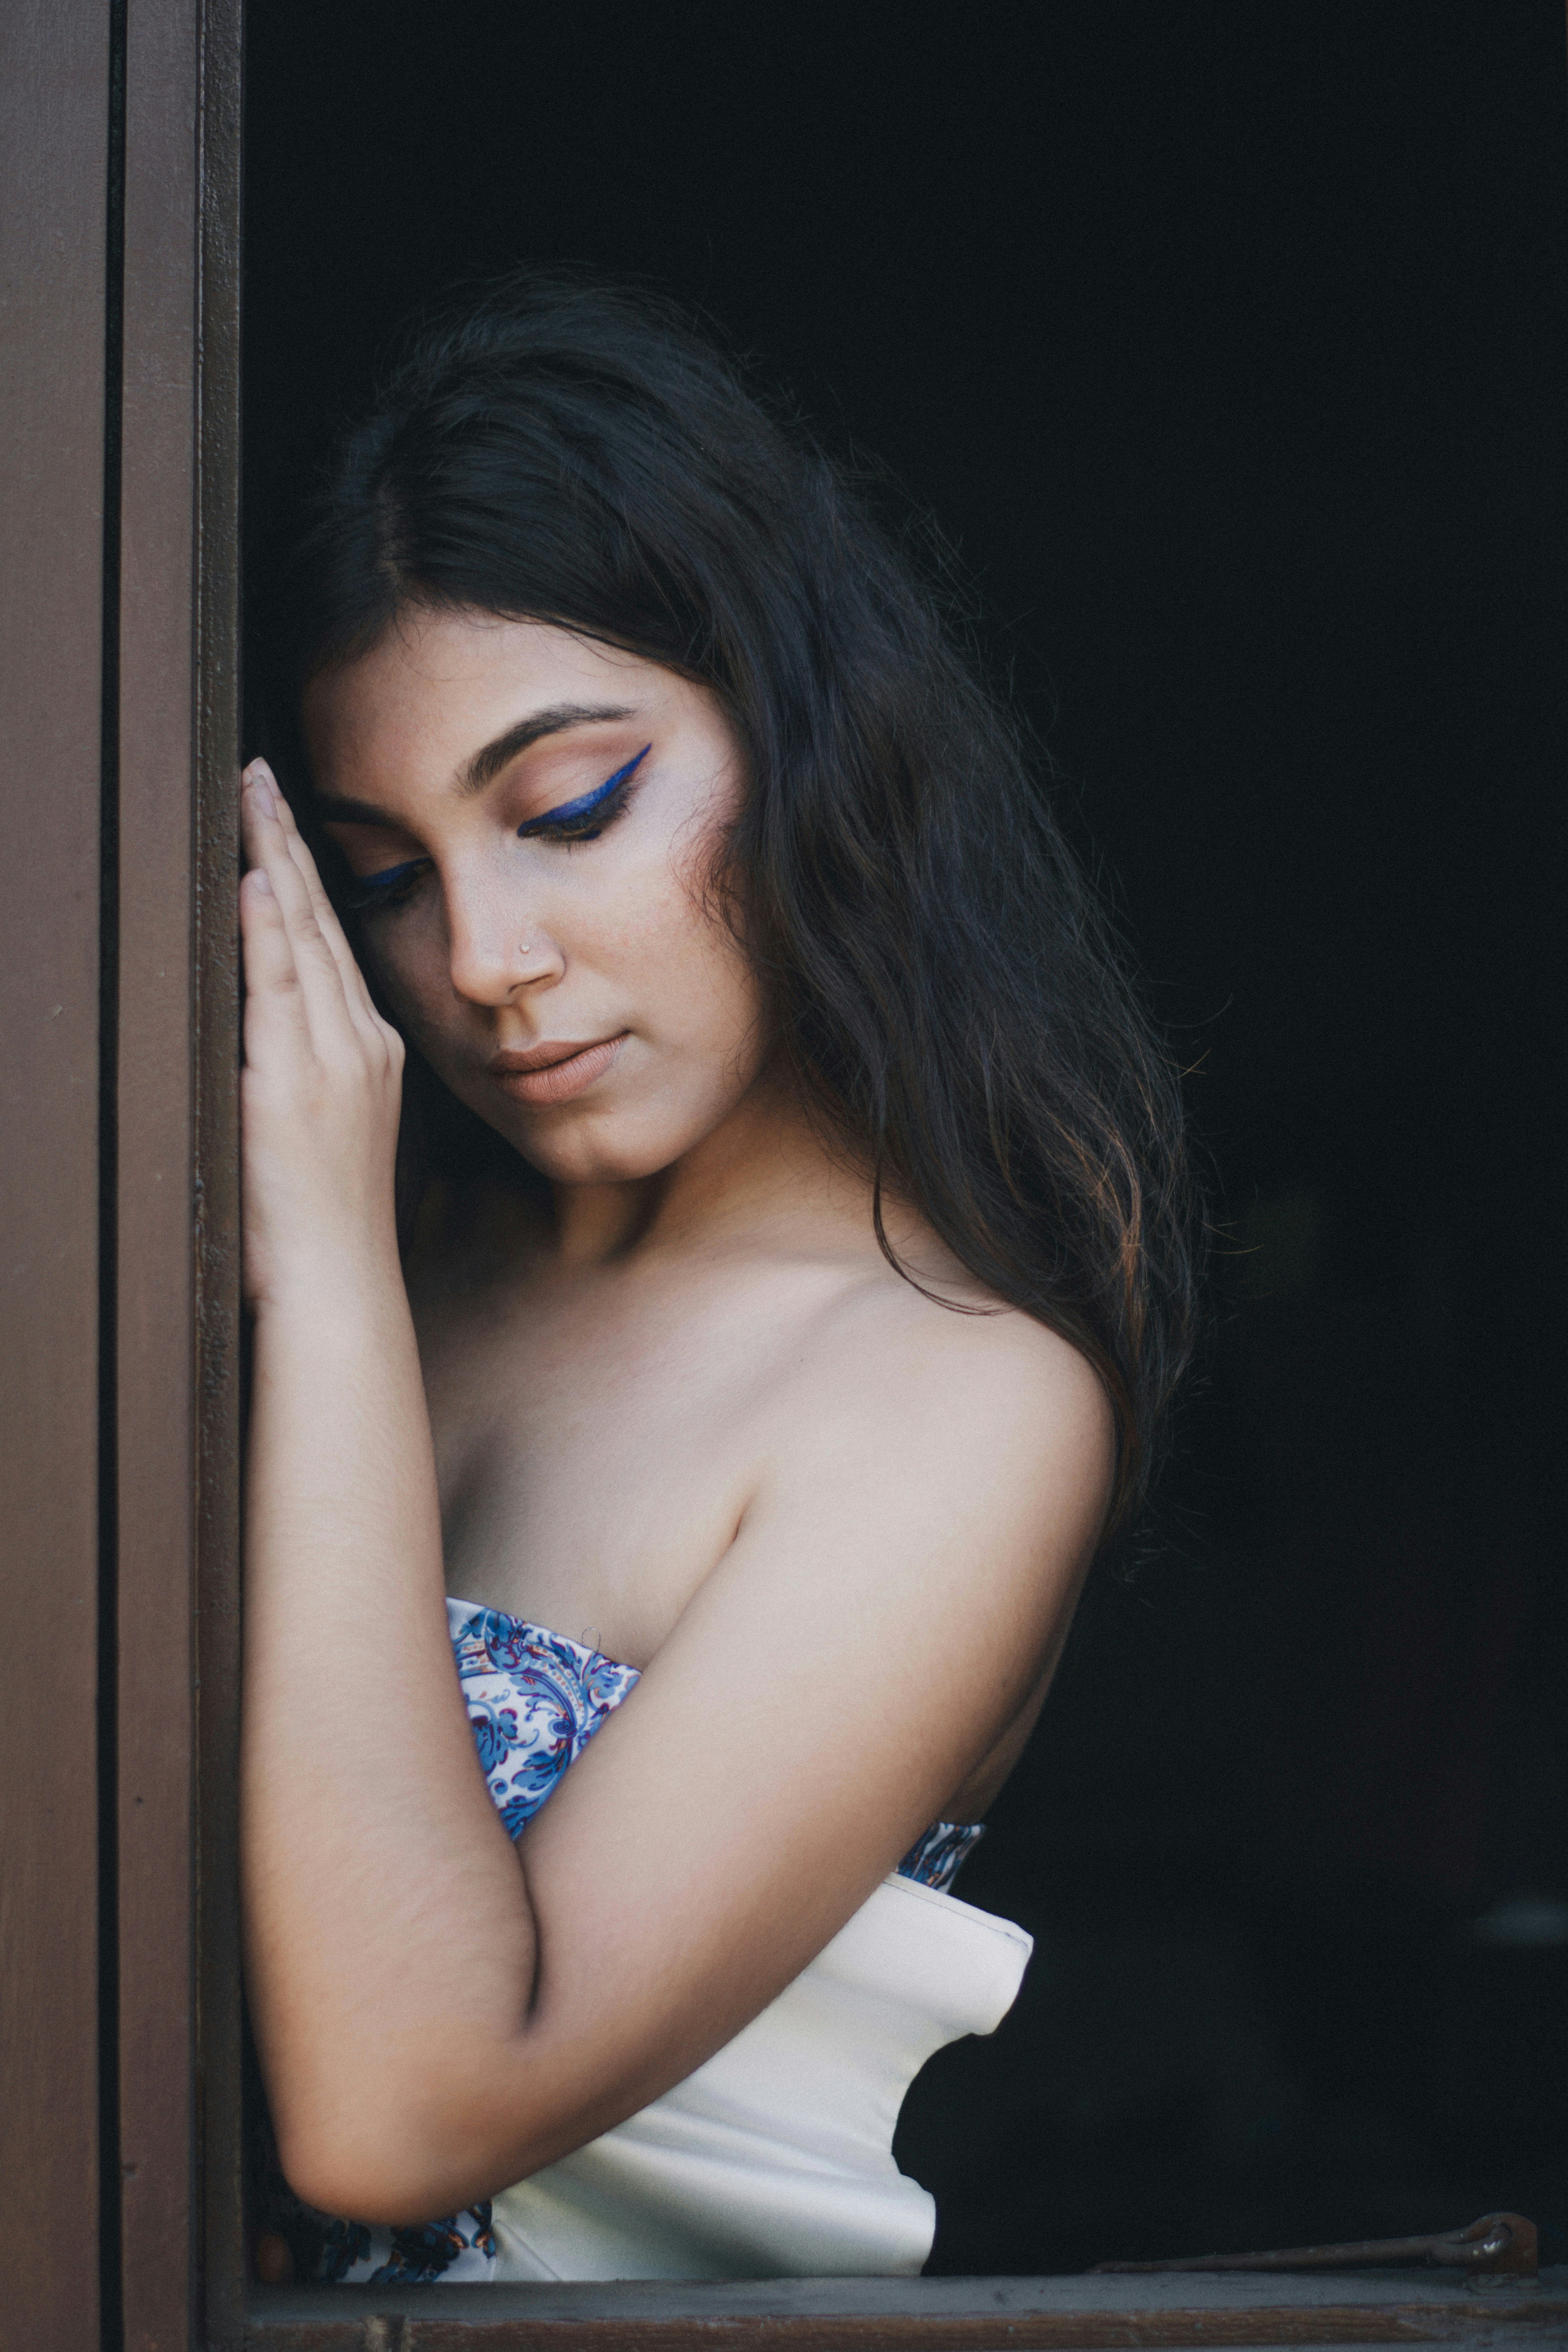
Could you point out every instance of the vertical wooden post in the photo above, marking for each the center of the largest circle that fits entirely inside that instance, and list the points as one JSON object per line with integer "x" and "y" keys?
{"x": 54, "y": 191}
{"x": 54, "y": 143}
{"x": 119, "y": 495}
{"x": 155, "y": 1270}
{"x": 216, "y": 1334}
{"x": 177, "y": 1317}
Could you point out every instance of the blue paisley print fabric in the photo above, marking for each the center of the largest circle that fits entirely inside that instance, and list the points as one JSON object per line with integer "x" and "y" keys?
{"x": 936, "y": 1859}
{"x": 534, "y": 1701}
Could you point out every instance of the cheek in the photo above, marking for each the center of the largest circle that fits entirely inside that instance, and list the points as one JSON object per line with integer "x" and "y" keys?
{"x": 692, "y": 981}
{"x": 408, "y": 962}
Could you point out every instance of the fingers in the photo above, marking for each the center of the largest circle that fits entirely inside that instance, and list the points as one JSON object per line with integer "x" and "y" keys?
{"x": 321, "y": 906}
{"x": 274, "y": 1003}
{"x": 269, "y": 950}
{"x": 332, "y": 995}
{"x": 263, "y": 789}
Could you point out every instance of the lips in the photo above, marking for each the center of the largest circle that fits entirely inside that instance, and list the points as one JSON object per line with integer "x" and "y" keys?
{"x": 556, "y": 1071}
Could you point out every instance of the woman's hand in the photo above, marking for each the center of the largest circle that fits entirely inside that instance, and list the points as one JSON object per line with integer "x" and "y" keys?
{"x": 323, "y": 1074}
{"x": 342, "y": 1544}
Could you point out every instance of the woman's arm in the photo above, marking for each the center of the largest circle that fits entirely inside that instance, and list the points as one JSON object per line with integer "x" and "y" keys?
{"x": 372, "y": 1852}
{"x": 440, "y": 2014}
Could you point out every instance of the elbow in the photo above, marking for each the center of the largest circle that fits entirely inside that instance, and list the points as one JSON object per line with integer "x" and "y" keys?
{"x": 355, "y": 2179}
{"x": 380, "y": 2167}
{"x": 402, "y": 2152}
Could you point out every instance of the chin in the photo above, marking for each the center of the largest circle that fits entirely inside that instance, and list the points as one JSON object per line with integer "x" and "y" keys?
{"x": 627, "y": 1133}
{"x": 603, "y": 1147}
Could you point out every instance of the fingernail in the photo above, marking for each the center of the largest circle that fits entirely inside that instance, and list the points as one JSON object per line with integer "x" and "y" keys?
{"x": 262, "y": 788}
{"x": 260, "y": 881}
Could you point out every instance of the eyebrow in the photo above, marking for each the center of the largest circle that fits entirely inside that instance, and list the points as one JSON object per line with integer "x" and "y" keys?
{"x": 486, "y": 764}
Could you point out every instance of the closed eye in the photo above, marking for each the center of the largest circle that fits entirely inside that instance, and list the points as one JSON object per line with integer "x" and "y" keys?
{"x": 391, "y": 888}
{"x": 585, "y": 818}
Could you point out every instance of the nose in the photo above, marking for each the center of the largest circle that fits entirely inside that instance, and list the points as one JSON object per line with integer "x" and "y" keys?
{"x": 496, "y": 946}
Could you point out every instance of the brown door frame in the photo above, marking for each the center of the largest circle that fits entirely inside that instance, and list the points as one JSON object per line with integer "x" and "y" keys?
{"x": 119, "y": 490}
{"x": 53, "y": 284}
{"x": 177, "y": 1250}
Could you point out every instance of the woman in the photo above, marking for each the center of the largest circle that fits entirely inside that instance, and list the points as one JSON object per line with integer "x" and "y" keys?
{"x": 794, "y": 1274}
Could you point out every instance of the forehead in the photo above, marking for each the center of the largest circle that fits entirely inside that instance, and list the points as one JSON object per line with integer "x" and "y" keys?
{"x": 438, "y": 686}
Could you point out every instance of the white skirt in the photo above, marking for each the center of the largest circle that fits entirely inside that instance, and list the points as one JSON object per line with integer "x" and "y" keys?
{"x": 776, "y": 2159}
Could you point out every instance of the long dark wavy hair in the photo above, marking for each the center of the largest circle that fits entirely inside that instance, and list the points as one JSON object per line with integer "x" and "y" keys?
{"x": 944, "y": 985}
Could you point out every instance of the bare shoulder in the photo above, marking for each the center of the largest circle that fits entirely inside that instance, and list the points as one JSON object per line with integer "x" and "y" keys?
{"x": 956, "y": 1394}
{"x": 935, "y": 1486}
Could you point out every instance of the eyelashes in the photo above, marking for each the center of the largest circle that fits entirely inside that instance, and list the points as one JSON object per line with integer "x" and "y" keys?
{"x": 584, "y": 819}
{"x": 388, "y": 888}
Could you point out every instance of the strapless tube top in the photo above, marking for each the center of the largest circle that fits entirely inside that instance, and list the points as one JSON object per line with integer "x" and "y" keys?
{"x": 774, "y": 2159}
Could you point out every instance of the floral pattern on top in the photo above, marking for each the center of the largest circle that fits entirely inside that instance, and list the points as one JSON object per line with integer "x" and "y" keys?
{"x": 936, "y": 1859}
{"x": 461, "y": 2251}
{"x": 534, "y": 1700}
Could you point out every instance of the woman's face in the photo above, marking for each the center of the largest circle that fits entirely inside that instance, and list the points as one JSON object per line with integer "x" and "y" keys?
{"x": 531, "y": 818}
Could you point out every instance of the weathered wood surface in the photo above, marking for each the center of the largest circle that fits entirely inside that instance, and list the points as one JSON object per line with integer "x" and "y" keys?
{"x": 1006, "y": 2315}
{"x": 220, "y": 2226}
{"x": 176, "y": 1264}
{"x": 54, "y": 239}
{"x": 154, "y": 1270}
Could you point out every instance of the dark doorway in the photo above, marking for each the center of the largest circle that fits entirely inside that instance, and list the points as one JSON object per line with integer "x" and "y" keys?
{"x": 1229, "y": 348}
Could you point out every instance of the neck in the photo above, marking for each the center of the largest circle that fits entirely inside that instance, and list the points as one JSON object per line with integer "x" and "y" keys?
{"x": 764, "y": 1168}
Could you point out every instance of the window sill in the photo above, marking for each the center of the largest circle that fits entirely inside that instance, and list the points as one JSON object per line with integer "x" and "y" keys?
{"x": 1002, "y": 2315}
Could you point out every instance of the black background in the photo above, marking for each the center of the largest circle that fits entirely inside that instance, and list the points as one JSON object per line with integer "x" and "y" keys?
{"x": 1227, "y": 346}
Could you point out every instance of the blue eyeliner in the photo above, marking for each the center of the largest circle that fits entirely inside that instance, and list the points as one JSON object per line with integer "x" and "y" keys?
{"x": 573, "y": 812}
{"x": 368, "y": 887}
{"x": 570, "y": 821}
